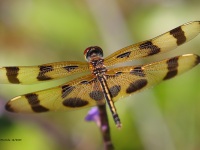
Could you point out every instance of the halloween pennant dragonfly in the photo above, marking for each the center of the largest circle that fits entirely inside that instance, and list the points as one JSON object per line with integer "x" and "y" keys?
{"x": 103, "y": 84}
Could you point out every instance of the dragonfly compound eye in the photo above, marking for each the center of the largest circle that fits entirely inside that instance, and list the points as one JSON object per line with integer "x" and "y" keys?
{"x": 93, "y": 51}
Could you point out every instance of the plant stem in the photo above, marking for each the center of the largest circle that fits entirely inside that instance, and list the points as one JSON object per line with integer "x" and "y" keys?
{"x": 105, "y": 128}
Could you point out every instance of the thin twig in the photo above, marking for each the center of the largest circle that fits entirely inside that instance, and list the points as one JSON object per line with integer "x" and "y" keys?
{"x": 105, "y": 128}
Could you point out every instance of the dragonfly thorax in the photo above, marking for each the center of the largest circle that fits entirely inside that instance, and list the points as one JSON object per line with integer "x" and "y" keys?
{"x": 97, "y": 67}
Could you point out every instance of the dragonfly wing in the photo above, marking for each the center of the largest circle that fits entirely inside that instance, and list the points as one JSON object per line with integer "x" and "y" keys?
{"x": 79, "y": 93}
{"x": 163, "y": 43}
{"x": 34, "y": 74}
{"x": 125, "y": 81}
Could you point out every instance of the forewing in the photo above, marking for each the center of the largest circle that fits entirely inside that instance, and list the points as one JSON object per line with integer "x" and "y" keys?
{"x": 80, "y": 93}
{"x": 34, "y": 74}
{"x": 125, "y": 81}
{"x": 163, "y": 43}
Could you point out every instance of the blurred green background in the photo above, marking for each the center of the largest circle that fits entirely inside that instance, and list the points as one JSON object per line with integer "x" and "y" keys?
{"x": 34, "y": 32}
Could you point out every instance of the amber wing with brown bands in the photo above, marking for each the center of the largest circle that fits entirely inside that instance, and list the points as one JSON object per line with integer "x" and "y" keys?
{"x": 35, "y": 74}
{"x": 163, "y": 43}
{"x": 79, "y": 93}
{"x": 125, "y": 81}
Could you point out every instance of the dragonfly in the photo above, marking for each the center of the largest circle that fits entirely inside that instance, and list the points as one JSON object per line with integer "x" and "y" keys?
{"x": 103, "y": 85}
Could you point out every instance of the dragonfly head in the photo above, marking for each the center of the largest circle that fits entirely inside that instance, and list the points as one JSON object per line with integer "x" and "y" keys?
{"x": 93, "y": 52}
